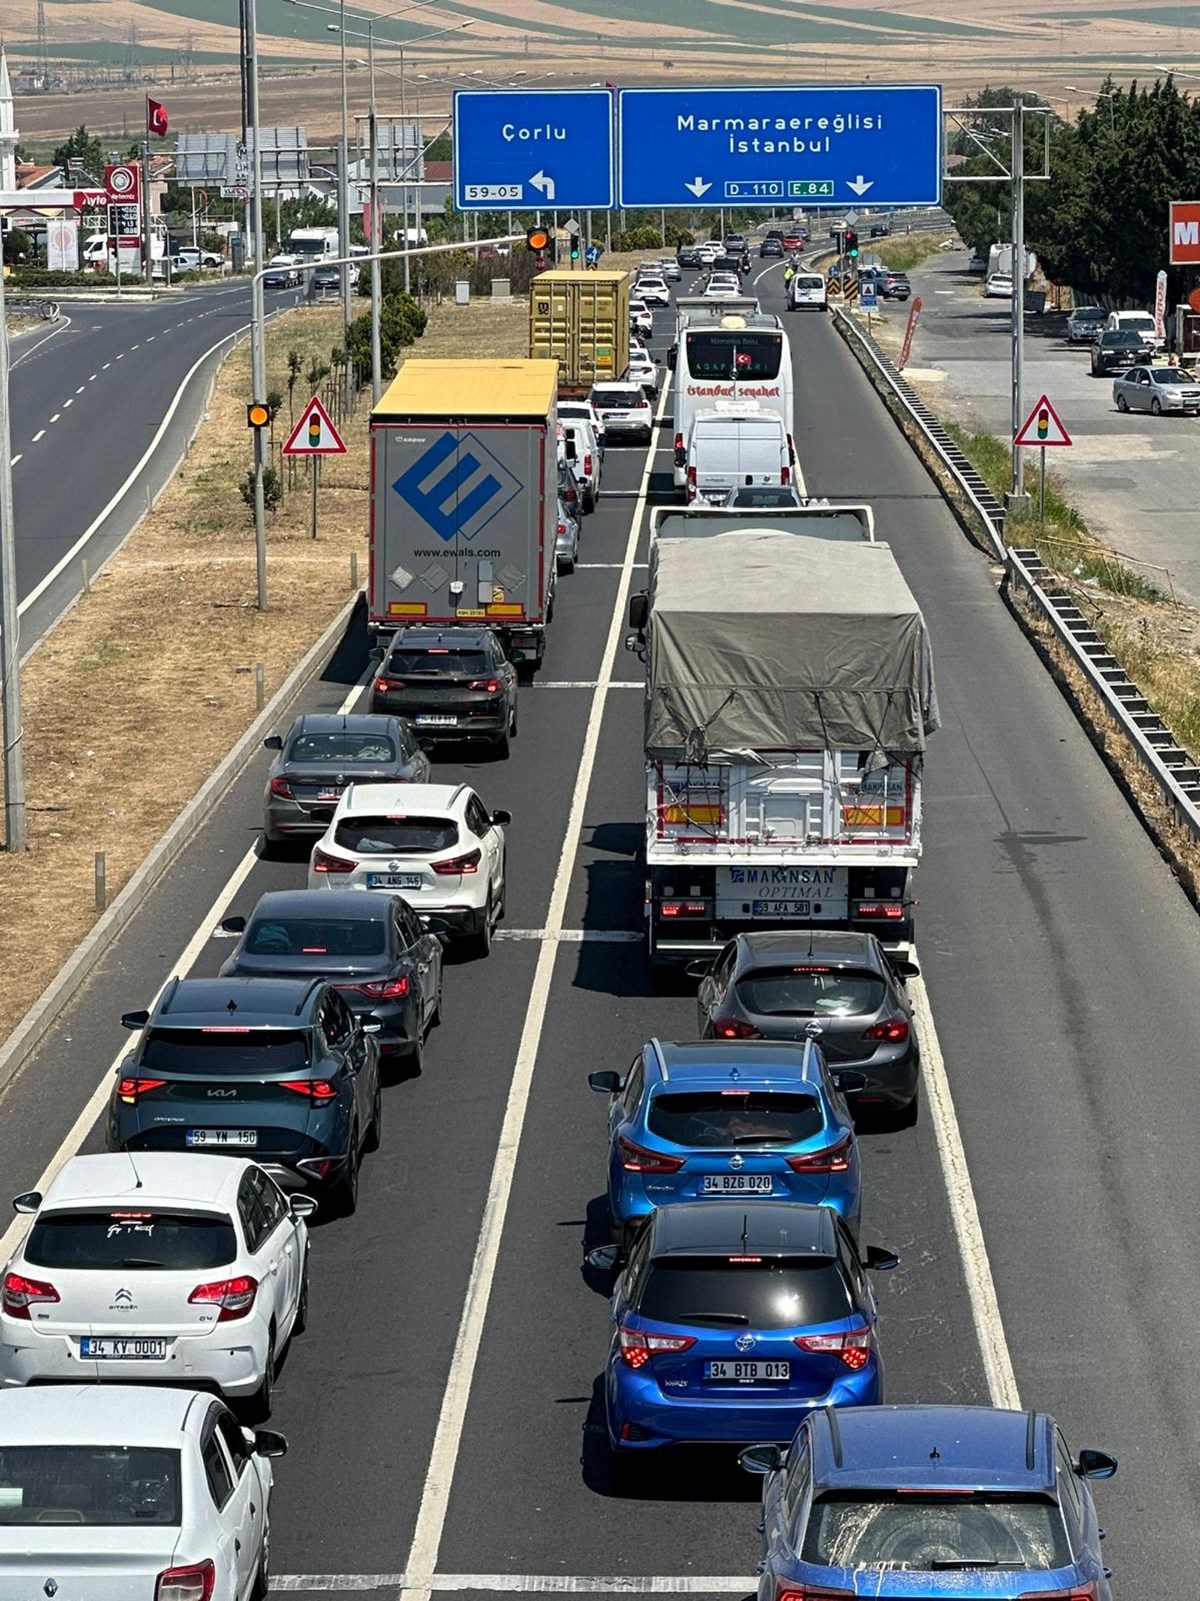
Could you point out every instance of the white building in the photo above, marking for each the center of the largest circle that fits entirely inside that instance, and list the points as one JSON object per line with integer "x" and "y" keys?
{"x": 8, "y": 129}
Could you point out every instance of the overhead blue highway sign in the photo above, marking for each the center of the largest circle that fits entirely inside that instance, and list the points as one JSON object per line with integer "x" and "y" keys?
{"x": 833, "y": 145}
{"x": 527, "y": 149}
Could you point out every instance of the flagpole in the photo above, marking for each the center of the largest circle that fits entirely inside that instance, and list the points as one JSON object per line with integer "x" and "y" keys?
{"x": 147, "y": 265}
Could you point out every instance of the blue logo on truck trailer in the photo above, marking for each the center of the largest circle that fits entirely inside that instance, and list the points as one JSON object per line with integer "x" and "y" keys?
{"x": 457, "y": 486}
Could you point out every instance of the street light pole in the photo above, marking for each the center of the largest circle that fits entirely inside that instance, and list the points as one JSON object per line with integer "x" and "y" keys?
{"x": 344, "y": 212}
{"x": 376, "y": 230}
{"x": 258, "y": 347}
{"x": 10, "y": 640}
{"x": 1017, "y": 500}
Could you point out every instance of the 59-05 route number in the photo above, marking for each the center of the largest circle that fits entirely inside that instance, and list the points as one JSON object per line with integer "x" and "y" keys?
{"x": 495, "y": 191}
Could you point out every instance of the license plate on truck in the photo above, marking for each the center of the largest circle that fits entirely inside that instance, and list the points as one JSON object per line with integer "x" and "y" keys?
{"x": 820, "y": 893}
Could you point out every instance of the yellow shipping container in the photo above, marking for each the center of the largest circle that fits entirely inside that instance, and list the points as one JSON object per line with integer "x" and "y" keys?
{"x": 581, "y": 320}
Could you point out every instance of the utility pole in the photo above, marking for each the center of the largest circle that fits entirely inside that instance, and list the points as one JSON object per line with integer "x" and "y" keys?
{"x": 344, "y": 217}
{"x": 1017, "y": 500}
{"x": 147, "y": 264}
{"x": 376, "y": 231}
{"x": 10, "y": 641}
{"x": 258, "y": 348}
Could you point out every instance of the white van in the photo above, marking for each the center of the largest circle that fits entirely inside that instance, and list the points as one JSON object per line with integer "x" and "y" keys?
{"x": 1135, "y": 322}
{"x": 730, "y": 447}
{"x": 807, "y": 291}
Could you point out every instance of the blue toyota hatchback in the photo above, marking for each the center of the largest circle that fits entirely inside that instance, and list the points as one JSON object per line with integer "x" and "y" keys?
{"x": 720, "y": 1120}
{"x": 961, "y": 1502}
{"x": 732, "y": 1320}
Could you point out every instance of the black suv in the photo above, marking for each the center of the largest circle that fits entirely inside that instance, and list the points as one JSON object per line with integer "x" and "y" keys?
{"x": 455, "y": 683}
{"x": 1116, "y": 347}
{"x": 277, "y": 1069}
{"x": 688, "y": 256}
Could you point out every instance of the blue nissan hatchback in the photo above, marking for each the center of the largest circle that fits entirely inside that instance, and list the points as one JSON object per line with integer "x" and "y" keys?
{"x": 719, "y": 1119}
{"x": 961, "y": 1502}
{"x": 732, "y": 1320}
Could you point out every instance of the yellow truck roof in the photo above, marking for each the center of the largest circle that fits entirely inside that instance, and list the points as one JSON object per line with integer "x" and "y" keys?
{"x": 512, "y": 387}
{"x": 564, "y": 275}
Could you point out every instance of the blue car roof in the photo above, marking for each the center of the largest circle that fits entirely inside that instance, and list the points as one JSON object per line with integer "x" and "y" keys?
{"x": 723, "y": 1228}
{"x": 934, "y": 1447}
{"x": 694, "y": 1063}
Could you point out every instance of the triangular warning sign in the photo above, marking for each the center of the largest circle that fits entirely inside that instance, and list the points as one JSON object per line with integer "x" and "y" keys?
{"x": 1043, "y": 426}
{"x": 314, "y": 434}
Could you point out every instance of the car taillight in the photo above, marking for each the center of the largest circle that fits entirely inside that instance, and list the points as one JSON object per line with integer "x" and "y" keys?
{"x": 562, "y": 528}
{"x": 892, "y": 1031}
{"x": 788, "y": 1592}
{"x": 389, "y": 989}
{"x": 587, "y": 466}
{"x": 281, "y": 787}
{"x": 330, "y": 864}
{"x": 317, "y": 1089}
{"x": 195, "y": 1582}
{"x": 732, "y": 1028}
{"x": 130, "y": 1087}
{"x": 785, "y": 475}
{"x": 490, "y": 686}
{"x": 680, "y": 451}
{"x": 570, "y": 495}
{"x": 691, "y": 483}
{"x": 382, "y": 686}
{"x": 637, "y": 1347}
{"x": 459, "y": 864}
{"x": 636, "y": 1159}
{"x": 235, "y": 1297}
{"x": 854, "y": 1346}
{"x": 21, "y": 1293}
{"x": 683, "y": 909}
{"x": 884, "y": 909}
{"x": 833, "y": 1159}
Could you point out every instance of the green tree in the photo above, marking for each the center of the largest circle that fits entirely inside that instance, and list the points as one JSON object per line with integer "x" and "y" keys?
{"x": 439, "y": 149}
{"x": 85, "y": 147}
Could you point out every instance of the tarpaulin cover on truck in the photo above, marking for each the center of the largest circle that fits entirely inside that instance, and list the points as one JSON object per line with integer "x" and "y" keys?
{"x": 765, "y": 643}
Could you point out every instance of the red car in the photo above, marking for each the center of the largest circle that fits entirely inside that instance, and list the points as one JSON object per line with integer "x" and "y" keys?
{"x": 793, "y": 241}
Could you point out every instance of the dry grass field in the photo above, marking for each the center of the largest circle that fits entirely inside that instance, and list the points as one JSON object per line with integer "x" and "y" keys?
{"x": 962, "y": 46}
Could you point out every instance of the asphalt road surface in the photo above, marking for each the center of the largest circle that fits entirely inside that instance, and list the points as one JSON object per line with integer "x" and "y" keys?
{"x": 88, "y": 402}
{"x": 443, "y": 1412}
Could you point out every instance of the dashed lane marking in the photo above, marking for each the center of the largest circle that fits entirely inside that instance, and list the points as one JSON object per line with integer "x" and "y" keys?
{"x": 589, "y": 683}
{"x": 574, "y": 936}
{"x": 16, "y": 459}
{"x": 79, "y": 391}
{"x": 56, "y": 416}
{"x": 519, "y": 1583}
{"x": 37, "y": 436}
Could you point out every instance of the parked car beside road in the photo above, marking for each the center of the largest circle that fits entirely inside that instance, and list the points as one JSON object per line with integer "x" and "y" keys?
{"x": 1086, "y": 324}
{"x": 999, "y": 286}
{"x": 1158, "y": 389}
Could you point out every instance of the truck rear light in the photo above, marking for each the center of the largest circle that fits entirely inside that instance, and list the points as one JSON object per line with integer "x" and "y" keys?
{"x": 691, "y": 483}
{"x": 890, "y": 910}
{"x": 129, "y": 1087}
{"x": 459, "y": 864}
{"x": 489, "y": 686}
{"x": 680, "y": 451}
{"x": 382, "y": 686}
{"x": 281, "y": 787}
{"x": 195, "y": 1582}
{"x": 323, "y": 863}
{"x": 235, "y": 1297}
{"x": 683, "y": 909}
{"x": 636, "y": 1159}
{"x": 785, "y": 475}
{"x": 732, "y": 1028}
{"x": 854, "y": 1346}
{"x": 833, "y": 1159}
{"x": 637, "y": 1346}
{"x": 21, "y": 1293}
{"x": 892, "y": 1031}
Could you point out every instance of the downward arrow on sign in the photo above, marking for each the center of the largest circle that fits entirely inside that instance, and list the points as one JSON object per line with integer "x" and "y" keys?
{"x": 860, "y": 185}
{"x": 698, "y": 186}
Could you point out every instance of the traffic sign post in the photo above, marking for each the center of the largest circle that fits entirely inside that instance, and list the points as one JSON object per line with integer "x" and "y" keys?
{"x": 314, "y": 436}
{"x": 876, "y": 144}
{"x": 868, "y": 297}
{"x": 1043, "y": 427}
{"x": 533, "y": 148}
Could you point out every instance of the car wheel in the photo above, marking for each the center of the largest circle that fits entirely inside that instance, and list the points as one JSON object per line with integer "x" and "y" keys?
{"x": 481, "y": 944}
{"x": 1122, "y": 403}
{"x": 906, "y": 1116}
{"x": 300, "y": 1321}
{"x": 344, "y": 1192}
{"x": 624, "y": 1471}
{"x": 375, "y": 1128}
{"x": 258, "y": 1408}
{"x": 262, "y": 1579}
{"x": 435, "y": 1020}
{"x": 1156, "y": 406}
{"x": 565, "y": 564}
{"x": 503, "y": 906}
{"x": 270, "y": 850}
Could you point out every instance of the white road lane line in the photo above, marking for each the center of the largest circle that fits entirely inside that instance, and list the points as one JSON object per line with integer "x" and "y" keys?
{"x": 69, "y": 402}
{"x": 37, "y": 436}
{"x": 16, "y": 459}
{"x": 964, "y": 1212}
{"x": 588, "y": 683}
{"x": 120, "y": 356}
{"x": 439, "y": 1477}
{"x": 575, "y": 936}
{"x": 79, "y": 391}
{"x": 106, "y": 366}
{"x": 520, "y": 1583}
{"x": 82, "y": 1125}
{"x": 56, "y": 416}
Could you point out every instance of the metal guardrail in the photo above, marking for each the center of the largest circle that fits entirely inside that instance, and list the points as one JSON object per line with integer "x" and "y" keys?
{"x": 1150, "y": 742}
{"x": 32, "y": 306}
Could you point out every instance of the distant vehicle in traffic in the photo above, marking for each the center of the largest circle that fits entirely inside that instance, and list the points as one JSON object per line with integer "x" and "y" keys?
{"x": 566, "y": 538}
{"x": 643, "y": 371}
{"x": 1138, "y": 322}
{"x": 624, "y": 411}
{"x": 688, "y": 256}
{"x": 1158, "y": 389}
{"x": 770, "y": 247}
{"x": 999, "y": 286}
{"x": 807, "y": 291}
{"x": 588, "y": 458}
{"x": 880, "y": 230}
{"x": 641, "y": 318}
{"x": 450, "y": 683}
{"x": 1085, "y": 324}
{"x": 283, "y": 272}
{"x": 653, "y": 290}
{"x": 323, "y": 752}
{"x": 1116, "y": 347}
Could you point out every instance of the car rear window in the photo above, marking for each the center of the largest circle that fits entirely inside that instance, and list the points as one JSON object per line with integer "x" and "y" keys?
{"x": 811, "y": 992}
{"x": 96, "y": 1485}
{"x": 808, "y": 280}
{"x": 396, "y": 836}
{"x": 315, "y": 936}
{"x": 436, "y": 660}
{"x": 224, "y": 1048}
{"x": 620, "y": 398}
{"x": 722, "y": 1118}
{"x": 128, "y": 1238}
{"x": 769, "y": 1292}
{"x": 342, "y": 748}
{"x": 925, "y": 1533}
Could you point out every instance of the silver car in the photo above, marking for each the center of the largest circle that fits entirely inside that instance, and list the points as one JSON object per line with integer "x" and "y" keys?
{"x": 566, "y": 540}
{"x": 1157, "y": 389}
{"x": 1085, "y": 324}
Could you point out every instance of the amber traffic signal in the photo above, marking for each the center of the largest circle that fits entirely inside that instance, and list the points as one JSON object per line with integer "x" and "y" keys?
{"x": 537, "y": 239}
{"x": 257, "y": 414}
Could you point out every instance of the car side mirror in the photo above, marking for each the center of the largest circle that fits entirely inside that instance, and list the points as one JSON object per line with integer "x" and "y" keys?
{"x": 850, "y": 1083}
{"x": 134, "y": 1019}
{"x": 501, "y": 818}
{"x": 29, "y": 1202}
{"x": 605, "y": 1083}
{"x": 233, "y": 925}
{"x": 905, "y": 969}
{"x": 880, "y": 1260}
{"x": 1096, "y": 1465}
{"x": 268, "y": 1443}
{"x": 302, "y": 1205}
{"x": 606, "y": 1258}
{"x": 761, "y": 1459}
{"x": 273, "y": 742}
{"x": 639, "y": 610}
{"x": 700, "y": 968}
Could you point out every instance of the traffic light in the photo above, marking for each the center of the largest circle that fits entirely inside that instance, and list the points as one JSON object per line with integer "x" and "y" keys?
{"x": 851, "y": 244}
{"x": 575, "y": 247}
{"x": 573, "y": 236}
{"x": 538, "y": 238}
{"x": 257, "y": 415}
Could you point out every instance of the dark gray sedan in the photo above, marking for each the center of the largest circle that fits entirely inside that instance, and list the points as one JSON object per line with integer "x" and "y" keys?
{"x": 775, "y": 986}
{"x": 319, "y": 755}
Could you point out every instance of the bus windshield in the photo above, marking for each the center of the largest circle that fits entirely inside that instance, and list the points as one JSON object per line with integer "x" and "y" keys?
{"x": 733, "y": 353}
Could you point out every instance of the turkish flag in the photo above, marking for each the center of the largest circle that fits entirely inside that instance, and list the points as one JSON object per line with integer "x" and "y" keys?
{"x": 156, "y": 118}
